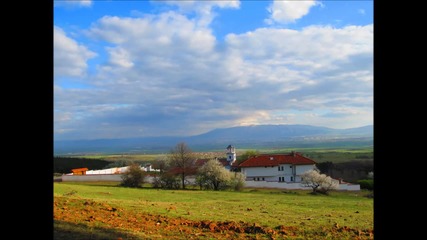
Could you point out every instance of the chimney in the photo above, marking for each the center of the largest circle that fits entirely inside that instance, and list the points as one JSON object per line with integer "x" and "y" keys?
{"x": 293, "y": 153}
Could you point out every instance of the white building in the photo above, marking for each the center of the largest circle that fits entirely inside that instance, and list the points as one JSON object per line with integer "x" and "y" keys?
{"x": 276, "y": 167}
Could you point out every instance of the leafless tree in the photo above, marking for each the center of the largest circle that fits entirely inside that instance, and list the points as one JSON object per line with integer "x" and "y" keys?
{"x": 182, "y": 161}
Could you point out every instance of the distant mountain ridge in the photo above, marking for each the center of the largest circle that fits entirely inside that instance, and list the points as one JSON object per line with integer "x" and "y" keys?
{"x": 242, "y": 136}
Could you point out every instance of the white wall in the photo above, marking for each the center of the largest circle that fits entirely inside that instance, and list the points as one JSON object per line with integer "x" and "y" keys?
{"x": 261, "y": 171}
{"x": 284, "y": 185}
{"x": 273, "y": 173}
{"x": 300, "y": 169}
{"x": 286, "y": 169}
{"x": 92, "y": 178}
{"x": 255, "y": 184}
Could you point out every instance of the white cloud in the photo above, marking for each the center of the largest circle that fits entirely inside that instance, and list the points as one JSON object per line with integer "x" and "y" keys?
{"x": 73, "y": 3}
{"x": 168, "y": 75}
{"x": 70, "y": 57}
{"x": 203, "y": 9}
{"x": 361, "y": 11}
{"x": 288, "y": 11}
{"x": 120, "y": 57}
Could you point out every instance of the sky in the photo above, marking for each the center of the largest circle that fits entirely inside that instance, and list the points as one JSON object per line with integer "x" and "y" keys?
{"x": 125, "y": 69}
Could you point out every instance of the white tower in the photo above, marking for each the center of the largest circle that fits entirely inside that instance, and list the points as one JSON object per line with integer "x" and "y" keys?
{"x": 231, "y": 154}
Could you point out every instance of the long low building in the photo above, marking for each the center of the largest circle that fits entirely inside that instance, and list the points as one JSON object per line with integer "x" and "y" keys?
{"x": 276, "y": 167}
{"x": 115, "y": 170}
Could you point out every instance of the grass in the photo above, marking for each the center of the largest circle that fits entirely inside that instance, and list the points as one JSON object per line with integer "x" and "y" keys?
{"x": 118, "y": 157}
{"x": 335, "y": 155}
{"x": 266, "y": 207}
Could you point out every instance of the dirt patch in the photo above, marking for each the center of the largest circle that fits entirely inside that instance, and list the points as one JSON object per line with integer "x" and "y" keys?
{"x": 149, "y": 226}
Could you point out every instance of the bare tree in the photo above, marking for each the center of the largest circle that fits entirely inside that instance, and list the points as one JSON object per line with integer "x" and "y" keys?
{"x": 161, "y": 163}
{"x": 182, "y": 161}
{"x": 318, "y": 182}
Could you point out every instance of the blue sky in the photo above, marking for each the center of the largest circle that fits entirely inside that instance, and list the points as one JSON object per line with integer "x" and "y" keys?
{"x": 168, "y": 68}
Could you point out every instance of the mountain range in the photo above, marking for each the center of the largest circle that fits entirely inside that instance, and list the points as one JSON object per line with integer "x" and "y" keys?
{"x": 256, "y": 136}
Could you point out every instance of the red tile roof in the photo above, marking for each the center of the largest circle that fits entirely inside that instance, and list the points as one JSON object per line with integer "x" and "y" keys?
{"x": 276, "y": 159}
{"x": 201, "y": 162}
{"x": 224, "y": 162}
{"x": 79, "y": 170}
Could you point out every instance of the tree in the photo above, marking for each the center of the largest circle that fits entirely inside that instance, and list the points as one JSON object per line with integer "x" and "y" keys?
{"x": 213, "y": 175}
{"x": 182, "y": 161}
{"x": 237, "y": 181}
{"x": 134, "y": 176}
{"x": 119, "y": 163}
{"x": 318, "y": 182}
{"x": 161, "y": 163}
{"x": 246, "y": 155}
{"x": 325, "y": 167}
{"x": 166, "y": 180}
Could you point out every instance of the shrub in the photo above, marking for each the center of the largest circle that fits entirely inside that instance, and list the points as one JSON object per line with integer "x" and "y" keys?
{"x": 237, "y": 181}
{"x": 366, "y": 184}
{"x": 166, "y": 181}
{"x": 134, "y": 176}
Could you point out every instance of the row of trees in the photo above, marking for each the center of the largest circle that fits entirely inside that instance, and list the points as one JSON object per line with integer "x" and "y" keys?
{"x": 176, "y": 167}
{"x": 181, "y": 163}
{"x": 351, "y": 171}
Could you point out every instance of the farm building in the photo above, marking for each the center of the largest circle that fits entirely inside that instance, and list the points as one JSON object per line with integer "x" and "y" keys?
{"x": 79, "y": 171}
{"x": 276, "y": 167}
{"x": 115, "y": 170}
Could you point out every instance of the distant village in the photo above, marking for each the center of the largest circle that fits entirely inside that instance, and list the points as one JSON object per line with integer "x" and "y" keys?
{"x": 262, "y": 171}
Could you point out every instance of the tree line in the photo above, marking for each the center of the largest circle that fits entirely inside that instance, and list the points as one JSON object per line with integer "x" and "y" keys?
{"x": 65, "y": 164}
{"x": 181, "y": 163}
{"x": 350, "y": 171}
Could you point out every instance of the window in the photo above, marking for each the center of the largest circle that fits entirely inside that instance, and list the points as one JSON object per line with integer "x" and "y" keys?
{"x": 282, "y": 168}
{"x": 290, "y": 166}
{"x": 292, "y": 179}
{"x": 278, "y": 168}
{"x": 263, "y": 179}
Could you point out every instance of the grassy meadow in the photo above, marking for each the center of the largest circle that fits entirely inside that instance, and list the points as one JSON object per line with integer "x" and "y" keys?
{"x": 335, "y": 155}
{"x": 311, "y": 216}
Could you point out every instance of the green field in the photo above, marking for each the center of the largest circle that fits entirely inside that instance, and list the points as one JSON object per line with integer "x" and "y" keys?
{"x": 266, "y": 207}
{"x": 335, "y": 155}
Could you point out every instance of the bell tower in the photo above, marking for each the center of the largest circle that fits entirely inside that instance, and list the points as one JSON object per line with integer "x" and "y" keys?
{"x": 231, "y": 154}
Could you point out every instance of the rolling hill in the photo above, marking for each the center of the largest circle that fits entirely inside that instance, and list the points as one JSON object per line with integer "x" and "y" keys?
{"x": 257, "y": 136}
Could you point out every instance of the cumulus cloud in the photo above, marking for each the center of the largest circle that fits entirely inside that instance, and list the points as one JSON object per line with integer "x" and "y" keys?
{"x": 73, "y": 3}
{"x": 70, "y": 57}
{"x": 203, "y": 9}
{"x": 168, "y": 75}
{"x": 289, "y": 11}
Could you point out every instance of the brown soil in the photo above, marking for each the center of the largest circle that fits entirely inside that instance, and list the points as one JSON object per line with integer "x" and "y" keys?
{"x": 129, "y": 224}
